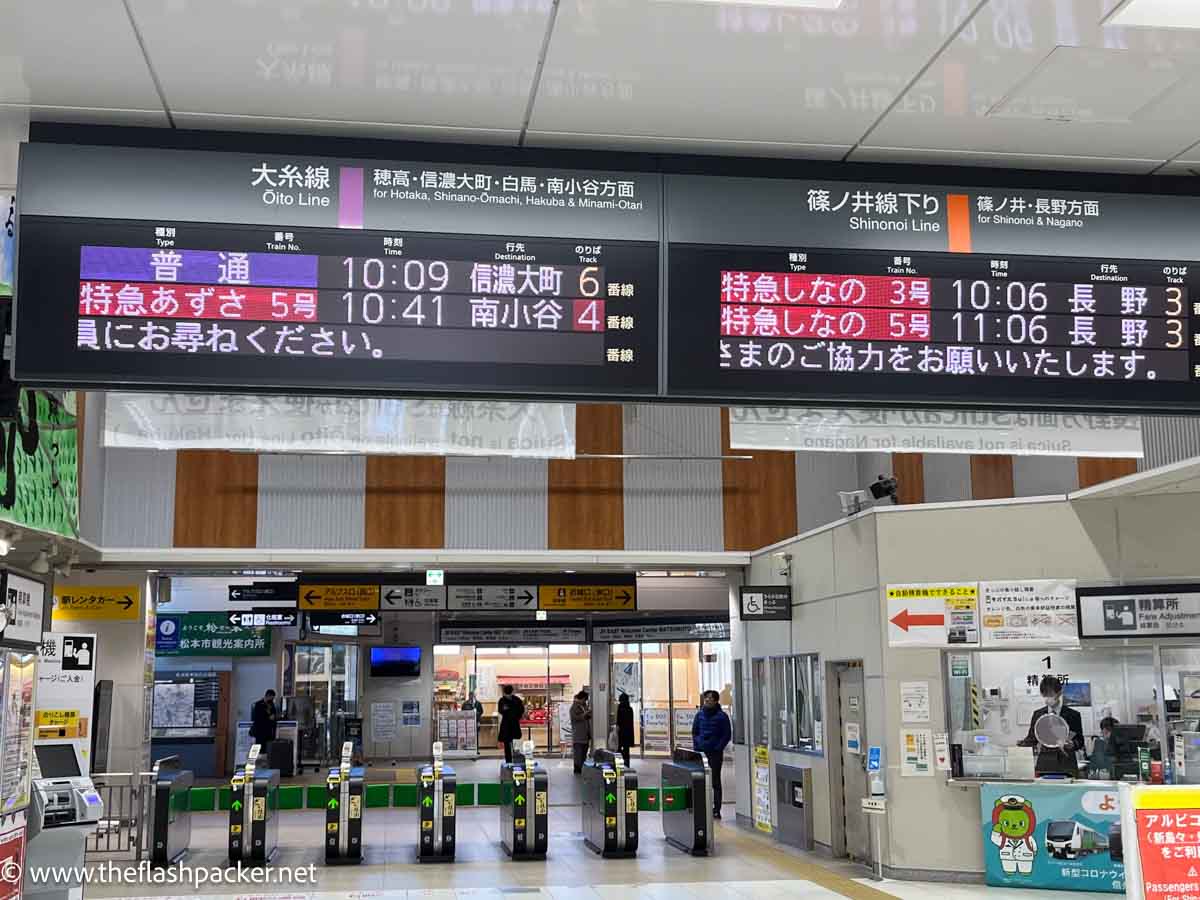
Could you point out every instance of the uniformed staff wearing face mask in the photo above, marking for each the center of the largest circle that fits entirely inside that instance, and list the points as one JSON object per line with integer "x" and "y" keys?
{"x": 1059, "y": 760}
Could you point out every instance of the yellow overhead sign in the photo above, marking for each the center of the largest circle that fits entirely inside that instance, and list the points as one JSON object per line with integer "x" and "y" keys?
{"x": 339, "y": 596}
{"x": 90, "y": 603}
{"x": 587, "y": 597}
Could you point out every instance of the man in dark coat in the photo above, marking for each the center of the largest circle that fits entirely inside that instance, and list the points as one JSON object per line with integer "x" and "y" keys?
{"x": 624, "y": 726}
{"x": 581, "y": 730}
{"x": 1061, "y": 760}
{"x": 711, "y": 734}
{"x": 262, "y": 720}
{"x": 512, "y": 711}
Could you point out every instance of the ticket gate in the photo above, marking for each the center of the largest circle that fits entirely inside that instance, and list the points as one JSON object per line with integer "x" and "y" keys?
{"x": 436, "y": 793}
{"x": 253, "y": 812}
{"x": 610, "y": 804}
{"x": 524, "y": 807}
{"x": 343, "y": 810}
{"x": 687, "y": 802}
{"x": 172, "y": 819}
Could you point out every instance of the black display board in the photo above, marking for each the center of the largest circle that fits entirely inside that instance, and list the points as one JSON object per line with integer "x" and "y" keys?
{"x": 158, "y": 268}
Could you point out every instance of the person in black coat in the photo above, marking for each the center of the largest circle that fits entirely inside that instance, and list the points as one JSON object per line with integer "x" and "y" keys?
{"x": 512, "y": 711}
{"x": 624, "y": 725}
{"x": 262, "y": 720}
{"x": 1056, "y": 760}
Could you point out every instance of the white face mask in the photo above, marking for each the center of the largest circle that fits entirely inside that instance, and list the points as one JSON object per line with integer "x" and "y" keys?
{"x": 1052, "y": 703}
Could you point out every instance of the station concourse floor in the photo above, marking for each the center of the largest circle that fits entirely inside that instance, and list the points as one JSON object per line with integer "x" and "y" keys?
{"x": 746, "y": 866}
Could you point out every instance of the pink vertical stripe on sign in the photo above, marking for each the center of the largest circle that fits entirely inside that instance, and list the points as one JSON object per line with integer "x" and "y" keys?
{"x": 350, "y": 197}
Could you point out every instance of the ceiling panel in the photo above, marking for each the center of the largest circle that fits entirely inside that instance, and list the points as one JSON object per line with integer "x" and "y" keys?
{"x": 635, "y": 142}
{"x": 729, "y": 72}
{"x": 1068, "y": 112}
{"x": 383, "y": 130}
{"x": 72, "y": 53}
{"x": 460, "y": 63}
{"x": 1005, "y": 160}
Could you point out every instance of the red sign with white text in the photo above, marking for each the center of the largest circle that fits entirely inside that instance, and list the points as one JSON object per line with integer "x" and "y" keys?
{"x": 12, "y": 861}
{"x": 1169, "y": 848}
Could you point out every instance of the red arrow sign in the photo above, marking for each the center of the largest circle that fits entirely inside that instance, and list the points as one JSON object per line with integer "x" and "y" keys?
{"x": 905, "y": 620}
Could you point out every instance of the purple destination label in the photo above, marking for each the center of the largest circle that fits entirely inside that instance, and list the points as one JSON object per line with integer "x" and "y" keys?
{"x": 196, "y": 266}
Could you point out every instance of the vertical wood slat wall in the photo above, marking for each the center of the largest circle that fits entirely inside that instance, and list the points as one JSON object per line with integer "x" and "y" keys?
{"x": 586, "y": 497}
{"x": 216, "y": 493}
{"x": 758, "y": 495}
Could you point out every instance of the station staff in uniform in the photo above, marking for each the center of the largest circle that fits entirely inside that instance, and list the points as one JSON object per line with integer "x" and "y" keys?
{"x": 1056, "y": 760}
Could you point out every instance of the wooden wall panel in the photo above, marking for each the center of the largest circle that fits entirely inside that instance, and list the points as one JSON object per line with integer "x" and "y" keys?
{"x": 405, "y": 505}
{"x": 587, "y": 496}
{"x": 991, "y": 477}
{"x": 758, "y": 494}
{"x": 216, "y": 498}
{"x": 1097, "y": 471}
{"x": 909, "y": 470}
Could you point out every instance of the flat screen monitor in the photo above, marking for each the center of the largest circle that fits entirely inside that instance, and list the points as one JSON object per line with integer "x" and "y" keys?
{"x": 57, "y": 760}
{"x": 395, "y": 662}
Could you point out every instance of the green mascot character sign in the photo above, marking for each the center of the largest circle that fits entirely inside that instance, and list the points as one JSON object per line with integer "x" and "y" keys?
{"x": 1013, "y": 823}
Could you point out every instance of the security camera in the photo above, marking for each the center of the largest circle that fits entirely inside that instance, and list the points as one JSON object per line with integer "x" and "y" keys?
{"x": 885, "y": 486}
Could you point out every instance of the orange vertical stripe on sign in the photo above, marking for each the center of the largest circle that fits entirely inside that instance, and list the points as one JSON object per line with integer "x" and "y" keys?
{"x": 958, "y": 222}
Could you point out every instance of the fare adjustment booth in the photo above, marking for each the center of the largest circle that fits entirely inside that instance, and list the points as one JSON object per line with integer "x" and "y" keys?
{"x": 970, "y": 607}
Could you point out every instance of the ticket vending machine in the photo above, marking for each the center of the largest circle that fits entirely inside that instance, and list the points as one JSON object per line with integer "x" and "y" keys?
{"x": 436, "y": 794}
{"x": 687, "y": 802}
{"x": 64, "y": 811}
{"x": 610, "y": 806}
{"x": 524, "y": 806}
{"x": 343, "y": 810}
{"x": 172, "y": 820}
{"x": 253, "y": 812}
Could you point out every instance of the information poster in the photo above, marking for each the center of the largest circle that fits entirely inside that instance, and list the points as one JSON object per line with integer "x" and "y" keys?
{"x": 383, "y": 722}
{"x": 916, "y": 752}
{"x": 410, "y": 713}
{"x": 933, "y": 615}
{"x": 66, "y": 690}
{"x": 762, "y": 790}
{"x": 1052, "y": 836}
{"x": 19, "y": 670}
{"x": 656, "y": 734}
{"x": 12, "y": 855}
{"x": 1030, "y": 613}
{"x": 1161, "y": 864}
{"x": 684, "y": 718}
{"x": 914, "y": 701}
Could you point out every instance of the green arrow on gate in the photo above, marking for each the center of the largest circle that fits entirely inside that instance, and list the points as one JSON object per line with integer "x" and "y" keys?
{"x": 610, "y": 797}
{"x": 333, "y": 803}
{"x": 428, "y": 801}
{"x": 519, "y": 799}
{"x": 237, "y": 804}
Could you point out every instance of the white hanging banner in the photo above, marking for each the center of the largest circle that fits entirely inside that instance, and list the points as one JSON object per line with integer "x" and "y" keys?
{"x": 934, "y": 431}
{"x": 383, "y": 426}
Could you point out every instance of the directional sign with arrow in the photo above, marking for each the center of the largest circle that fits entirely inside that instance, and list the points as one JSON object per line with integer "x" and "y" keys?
{"x": 265, "y": 592}
{"x": 96, "y": 603}
{"x": 428, "y": 801}
{"x": 237, "y": 805}
{"x": 932, "y": 615}
{"x": 327, "y": 619}
{"x": 272, "y": 618}
{"x": 413, "y": 596}
{"x": 333, "y": 804}
{"x": 495, "y": 597}
{"x": 339, "y": 596}
{"x": 587, "y": 597}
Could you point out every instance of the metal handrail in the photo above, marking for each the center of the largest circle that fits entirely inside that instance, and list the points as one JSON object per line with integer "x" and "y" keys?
{"x": 124, "y": 828}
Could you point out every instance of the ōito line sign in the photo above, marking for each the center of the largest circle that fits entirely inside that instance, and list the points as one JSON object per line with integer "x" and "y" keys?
{"x": 584, "y": 597}
{"x": 932, "y": 615}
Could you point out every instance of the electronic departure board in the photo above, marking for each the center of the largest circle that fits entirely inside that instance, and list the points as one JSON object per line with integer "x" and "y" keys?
{"x": 828, "y": 292}
{"x": 345, "y": 295}
{"x": 772, "y": 323}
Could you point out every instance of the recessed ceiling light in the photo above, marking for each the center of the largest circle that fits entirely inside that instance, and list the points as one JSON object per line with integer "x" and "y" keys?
{"x": 1155, "y": 14}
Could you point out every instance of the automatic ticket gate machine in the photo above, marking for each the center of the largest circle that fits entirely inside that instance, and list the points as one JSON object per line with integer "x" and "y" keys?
{"x": 253, "y": 812}
{"x": 610, "y": 804}
{"x": 343, "y": 810}
{"x": 524, "y": 806}
{"x": 436, "y": 794}
{"x": 687, "y": 802}
{"x": 172, "y": 819}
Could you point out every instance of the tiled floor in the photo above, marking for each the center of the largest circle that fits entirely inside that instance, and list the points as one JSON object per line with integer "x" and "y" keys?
{"x": 745, "y": 867}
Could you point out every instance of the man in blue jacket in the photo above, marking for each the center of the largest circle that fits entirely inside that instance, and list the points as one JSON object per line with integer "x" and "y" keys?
{"x": 711, "y": 734}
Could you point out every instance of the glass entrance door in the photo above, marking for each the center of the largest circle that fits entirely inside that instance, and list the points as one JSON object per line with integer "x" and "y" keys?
{"x": 327, "y": 675}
